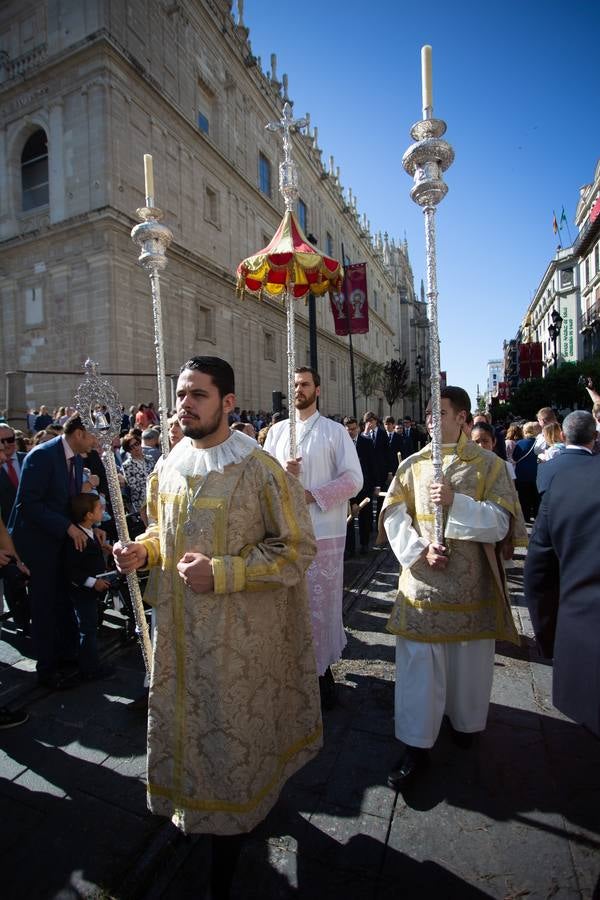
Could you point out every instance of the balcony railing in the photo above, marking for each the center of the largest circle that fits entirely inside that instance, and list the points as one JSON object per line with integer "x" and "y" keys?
{"x": 12, "y": 68}
{"x": 590, "y": 316}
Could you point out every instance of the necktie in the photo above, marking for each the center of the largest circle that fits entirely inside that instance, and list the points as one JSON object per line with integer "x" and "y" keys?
{"x": 10, "y": 469}
{"x": 72, "y": 483}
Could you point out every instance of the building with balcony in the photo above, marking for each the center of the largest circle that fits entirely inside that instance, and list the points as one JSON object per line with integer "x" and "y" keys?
{"x": 587, "y": 248}
{"x": 85, "y": 91}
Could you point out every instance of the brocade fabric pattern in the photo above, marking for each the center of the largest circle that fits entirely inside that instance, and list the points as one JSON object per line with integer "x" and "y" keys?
{"x": 234, "y": 705}
{"x": 468, "y": 599}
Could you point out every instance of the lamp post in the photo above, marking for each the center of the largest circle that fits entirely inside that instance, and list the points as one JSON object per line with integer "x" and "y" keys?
{"x": 554, "y": 332}
{"x": 419, "y": 367}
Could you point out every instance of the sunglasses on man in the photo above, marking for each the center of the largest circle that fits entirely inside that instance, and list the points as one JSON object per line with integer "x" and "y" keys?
{"x": 9, "y": 440}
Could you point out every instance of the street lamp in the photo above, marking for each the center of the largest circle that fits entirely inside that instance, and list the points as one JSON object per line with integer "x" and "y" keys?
{"x": 554, "y": 331}
{"x": 419, "y": 367}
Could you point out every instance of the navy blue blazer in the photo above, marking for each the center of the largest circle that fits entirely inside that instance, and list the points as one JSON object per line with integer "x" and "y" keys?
{"x": 568, "y": 459}
{"x": 8, "y": 491}
{"x": 40, "y": 516}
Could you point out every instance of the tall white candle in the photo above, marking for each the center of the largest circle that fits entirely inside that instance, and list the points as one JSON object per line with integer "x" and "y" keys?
{"x": 426, "y": 77}
{"x": 149, "y": 178}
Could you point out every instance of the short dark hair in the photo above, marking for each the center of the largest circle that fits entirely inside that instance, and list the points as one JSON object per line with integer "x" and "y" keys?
{"x": 458, "y": 397}
{"x": 220, "y": 371}
{"x": 73, "y": 423}
{"x": 485, "y": 426}
{"x": 370, "y": 415}
{"x": 315, "y": 375}
{"x": 579, "y": 428}
{"x": 81, "y": 505}
{"x": 349, "y": 420}
{"x": 390, "y": 420}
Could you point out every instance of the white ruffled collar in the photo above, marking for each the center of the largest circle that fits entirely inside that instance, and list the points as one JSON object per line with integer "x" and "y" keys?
{"x": 189, "y": 460}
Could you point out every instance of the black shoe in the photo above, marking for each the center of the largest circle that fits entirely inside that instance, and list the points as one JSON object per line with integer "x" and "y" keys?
{"x": 139, "y": 703}
{"x": 327, "y": 689}
{"x": 104, "y": 673}
{"x": 55, "y": 681}
{"x": 412, "y": 761}
{"x": 10, "y": 719}
{"x": 463, "y": 739}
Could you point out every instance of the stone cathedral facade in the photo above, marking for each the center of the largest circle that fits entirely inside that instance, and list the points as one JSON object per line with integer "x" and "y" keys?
{"x": 85, "y": 91}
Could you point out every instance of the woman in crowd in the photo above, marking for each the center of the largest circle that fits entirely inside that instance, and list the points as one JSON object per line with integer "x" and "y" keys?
{"x": 554, "y": 442}
{"x": 525, "y": 462}
{"x": 514, "y": 434}
{"x": 136, "y": 468}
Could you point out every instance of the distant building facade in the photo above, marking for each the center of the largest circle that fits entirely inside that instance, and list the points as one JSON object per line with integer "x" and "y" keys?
{"x": 495, "y": 374}
{"x": 587, "y": 249}
{"x": 84, "y": 93}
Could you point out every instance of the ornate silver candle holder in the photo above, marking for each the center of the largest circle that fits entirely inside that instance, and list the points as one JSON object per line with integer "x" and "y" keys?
{"x": 426, "y": 160}
{"x": 91, "y": 393}
{"x": 153, "y": 238}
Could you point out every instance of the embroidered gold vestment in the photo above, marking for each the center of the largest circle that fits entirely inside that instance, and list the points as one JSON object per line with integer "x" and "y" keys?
{"x": 234, "y": 704}
{"x": 468, "y": 600}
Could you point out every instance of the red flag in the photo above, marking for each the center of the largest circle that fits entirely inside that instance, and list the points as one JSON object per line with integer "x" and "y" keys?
{"x": 554, "y": 223}
{"x": 338, "y": 309}
{"x": 357, "y": 303}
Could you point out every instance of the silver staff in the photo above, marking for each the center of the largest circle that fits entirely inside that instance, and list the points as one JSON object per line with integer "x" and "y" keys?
{"x": 288, "y": 188}
{"x": 153, "y": 238}
{"x": 92, "y": 392}
{"x": 426, "y": 160}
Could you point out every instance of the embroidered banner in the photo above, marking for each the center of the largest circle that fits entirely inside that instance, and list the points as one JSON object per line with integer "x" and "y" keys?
{"x": 352, "y": 306}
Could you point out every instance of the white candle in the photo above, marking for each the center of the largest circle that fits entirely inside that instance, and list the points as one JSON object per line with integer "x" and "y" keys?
{"x": 426, "y": 78}
{"x": 149, "y": 179}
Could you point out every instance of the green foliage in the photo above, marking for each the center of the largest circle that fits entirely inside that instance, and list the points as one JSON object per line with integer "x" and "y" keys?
{"x": 559, "y": 389}
{"x": 369, "y": 379}
{"x": 394, "y": 381}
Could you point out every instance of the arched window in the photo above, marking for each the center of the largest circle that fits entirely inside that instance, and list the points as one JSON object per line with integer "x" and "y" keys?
{"x": 34, "y": 171}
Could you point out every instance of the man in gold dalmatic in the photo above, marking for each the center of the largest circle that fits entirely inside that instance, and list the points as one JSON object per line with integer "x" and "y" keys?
{"x": 452, "y": 602}
{"x": 234, "y": 704}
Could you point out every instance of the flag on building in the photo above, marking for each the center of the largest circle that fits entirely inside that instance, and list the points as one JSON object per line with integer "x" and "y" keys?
{"x": 554, "y": 223}
{"x": 563, "y": 218}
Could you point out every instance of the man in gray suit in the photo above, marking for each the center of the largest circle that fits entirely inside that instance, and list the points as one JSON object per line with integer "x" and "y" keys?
{"x": 579, "y": 430}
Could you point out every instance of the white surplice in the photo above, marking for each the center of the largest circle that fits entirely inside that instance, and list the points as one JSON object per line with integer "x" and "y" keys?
{"x": 433, "y": 679}
{"x": 330, "y": 470}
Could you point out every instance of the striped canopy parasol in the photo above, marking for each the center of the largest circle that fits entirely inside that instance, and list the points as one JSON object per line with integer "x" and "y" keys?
{"x": 289, "y": 263}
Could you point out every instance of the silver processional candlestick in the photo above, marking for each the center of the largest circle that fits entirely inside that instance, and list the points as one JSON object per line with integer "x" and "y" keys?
{"x": 95, "y": 391}
{"x": 153, "y": 238}
{"x": 426, "y": 160}
{"x": 288, "y": 188}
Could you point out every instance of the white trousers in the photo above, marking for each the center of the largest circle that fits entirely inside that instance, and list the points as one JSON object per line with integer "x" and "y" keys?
{"x": 433, "y": 679}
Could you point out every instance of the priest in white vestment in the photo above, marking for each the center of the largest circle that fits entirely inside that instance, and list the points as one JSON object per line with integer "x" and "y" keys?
{"x": 329, "y": 469}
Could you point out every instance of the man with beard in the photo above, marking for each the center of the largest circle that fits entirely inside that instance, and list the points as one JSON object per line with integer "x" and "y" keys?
{"x": 233, "y": 703}
{"x": 329, "y": 470}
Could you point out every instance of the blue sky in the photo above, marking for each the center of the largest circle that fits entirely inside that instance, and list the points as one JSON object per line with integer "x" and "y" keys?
{"x": 516, "y": 83}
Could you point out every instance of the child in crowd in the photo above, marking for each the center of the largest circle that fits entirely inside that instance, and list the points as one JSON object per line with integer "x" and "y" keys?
{"x": 85, "y": 588}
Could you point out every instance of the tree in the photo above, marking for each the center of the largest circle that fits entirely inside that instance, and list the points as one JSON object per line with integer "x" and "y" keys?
{"x": 369, "y": 379}
{"x": 394, "y": 380}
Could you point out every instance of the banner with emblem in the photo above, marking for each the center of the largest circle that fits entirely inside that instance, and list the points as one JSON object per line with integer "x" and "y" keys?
{"x": 350, "y": 308}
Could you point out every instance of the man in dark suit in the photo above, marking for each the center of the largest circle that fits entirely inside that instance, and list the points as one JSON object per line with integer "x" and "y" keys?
{"x": 15, "y": 592}
{"x": 10, "y": 471}
{"x": 40, "y": 523}
{"x": 562, "y": 574}
{"x": 579, "y": 431}
{"x": 409, "y": 438}
{"x": 395, "y": 442}
{"x": 366, "y": 455}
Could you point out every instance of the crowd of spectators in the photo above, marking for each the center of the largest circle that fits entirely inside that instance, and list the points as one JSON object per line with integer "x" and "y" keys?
{"x": 526, "y": 446}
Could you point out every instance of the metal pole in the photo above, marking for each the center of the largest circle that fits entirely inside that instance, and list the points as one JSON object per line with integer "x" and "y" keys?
{"x": 153, "y": 239}
{"x": 426, "y": 160}
{"x": 92, "y": 392}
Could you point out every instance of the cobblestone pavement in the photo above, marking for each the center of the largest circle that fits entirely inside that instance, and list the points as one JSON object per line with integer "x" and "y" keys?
{"x": 515, "y": 816}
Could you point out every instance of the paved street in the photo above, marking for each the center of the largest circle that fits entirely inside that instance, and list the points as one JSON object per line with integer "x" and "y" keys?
{"x": 515, "y": 816}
